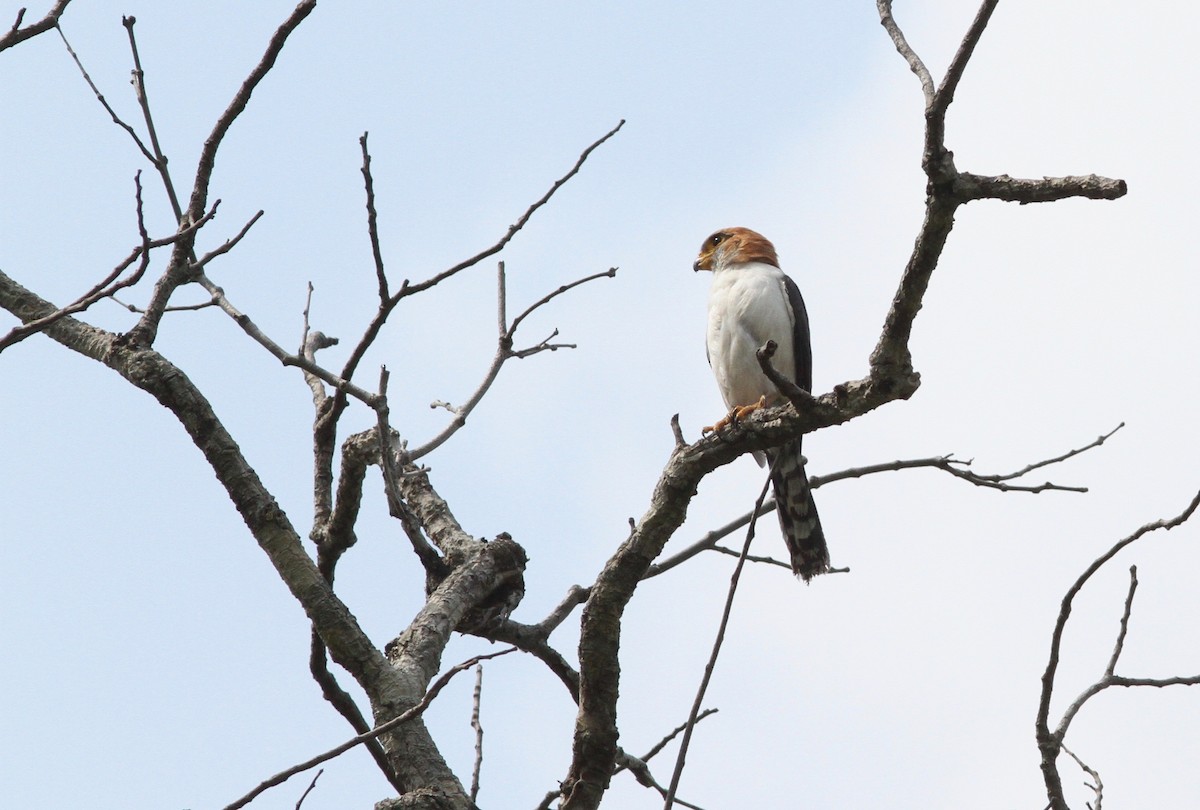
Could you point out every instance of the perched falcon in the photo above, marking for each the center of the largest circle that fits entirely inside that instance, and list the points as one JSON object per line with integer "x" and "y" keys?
{"x": 751, "y": 302}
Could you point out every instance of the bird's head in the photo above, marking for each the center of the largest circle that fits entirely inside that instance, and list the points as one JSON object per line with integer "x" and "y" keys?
{"x": 735, "y": 246}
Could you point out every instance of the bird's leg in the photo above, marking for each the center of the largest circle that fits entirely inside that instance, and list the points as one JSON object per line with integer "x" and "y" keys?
{"x": 735, "y": 415}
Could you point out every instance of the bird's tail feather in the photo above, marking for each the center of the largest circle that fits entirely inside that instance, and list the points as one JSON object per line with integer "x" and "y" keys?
{"x": 797, "y": 512}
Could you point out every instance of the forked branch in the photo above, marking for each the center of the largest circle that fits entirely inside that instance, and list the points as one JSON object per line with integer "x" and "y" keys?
{"x": 1050, "y": 742}
{"x": 16, "y": 34}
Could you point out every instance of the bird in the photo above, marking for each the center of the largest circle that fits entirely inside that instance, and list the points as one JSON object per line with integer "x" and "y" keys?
{"x": 752, "y": 301}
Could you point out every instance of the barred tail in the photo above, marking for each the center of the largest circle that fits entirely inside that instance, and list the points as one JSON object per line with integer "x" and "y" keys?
{"x": 797, "y": 512}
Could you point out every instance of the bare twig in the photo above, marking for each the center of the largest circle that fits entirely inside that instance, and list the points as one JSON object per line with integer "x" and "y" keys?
{"x": 229, "y": 244}
{"x": 139, "y": 86}
{"x": 910, "y": 56}
{"x": 969, "y": 187}
{"x": 373, "y": 221}
{"x": 212, "y": 143}
{"x": 935, "y": 114}
{"x": 504, "y": 352}
{"x": 1096, "y": 785}
{"x": 309, "y": 789}
{"x": 116, "y": 119}
{"x": 661, "y": 744}
{"x": 476, "y": 697}
{"x": 250, "y": 328}
{"x": 1119, "y": 646}
{"x": 681, "y": 758}
{"x": 416, "y": 711}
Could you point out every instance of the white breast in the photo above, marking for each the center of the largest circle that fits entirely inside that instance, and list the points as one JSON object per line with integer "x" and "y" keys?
{"x": 747, "y": 306}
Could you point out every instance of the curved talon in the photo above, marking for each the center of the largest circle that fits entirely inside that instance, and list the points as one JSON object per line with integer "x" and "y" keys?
{"x": 738, "y": 413}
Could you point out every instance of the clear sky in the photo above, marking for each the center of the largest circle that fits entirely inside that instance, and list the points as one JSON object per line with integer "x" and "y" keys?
{"x": 154, "y": 660}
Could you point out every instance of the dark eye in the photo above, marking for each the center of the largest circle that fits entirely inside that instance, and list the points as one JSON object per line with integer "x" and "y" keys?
{"x": 716, "y": 238}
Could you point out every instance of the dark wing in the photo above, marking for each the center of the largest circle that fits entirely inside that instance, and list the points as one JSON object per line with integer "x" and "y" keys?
{"x": 802, "y": 343}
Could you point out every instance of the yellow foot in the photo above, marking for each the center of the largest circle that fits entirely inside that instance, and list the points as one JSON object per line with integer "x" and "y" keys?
{"x": 738, "y": 413}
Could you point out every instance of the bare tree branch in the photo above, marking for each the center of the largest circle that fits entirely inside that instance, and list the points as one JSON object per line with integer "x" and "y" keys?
{"x": 16, "y": 34}
{"x": 969, "y": 187}
{"x": 413, "y": 660}
{"x": 180, "y": 269}
{"x": 914, "y": 62}
{"x": 116, "y": 119}
{"x": 947, "y": 188}
{"x": 159, "y": 160}
{"x": 229, "y": 244}
{"x": 278, "y": 352}
{"x": 1050, "y": 742}
{"x": 1096, "y": 785}
{"x": 112, "y": 283}
{"x": 948, "y": 463}
{"x": 476, "y": 698}
{"x": 373, "y": 221}
{"x": 309, "y": 789}
{"x": 504, "y": 352}
{"x": 406, "y": 289}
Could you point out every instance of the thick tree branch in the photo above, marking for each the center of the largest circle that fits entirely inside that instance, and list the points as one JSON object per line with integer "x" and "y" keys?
{"x": 969, "y": 187}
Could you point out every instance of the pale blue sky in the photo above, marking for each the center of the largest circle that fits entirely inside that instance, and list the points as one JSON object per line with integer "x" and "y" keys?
{"x": 153, "y": 659}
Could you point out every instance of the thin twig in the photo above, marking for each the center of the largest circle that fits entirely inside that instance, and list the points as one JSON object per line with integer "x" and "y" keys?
{"x": 681, "y": 758}
{"x": 406, "y": 289}
{"x": 1119, "y": 646}
{"x": 104, "y": 102}
{"x": 373, "y": 221}
{"x": 661, "y": 744}
{"x": 309, "y": 789}
{"x": 251, "y": 328}
{"x": 229, "y": 244}
{"x": 476, "y": 698}
{"x": 546, "y": 299}
{"x": 383, "y": 728}
{"x": 910, "y": 56}
{"x": 504, "y": 352}
{"x": 1096, "y": 786}
{"x": 139, "y": 86}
